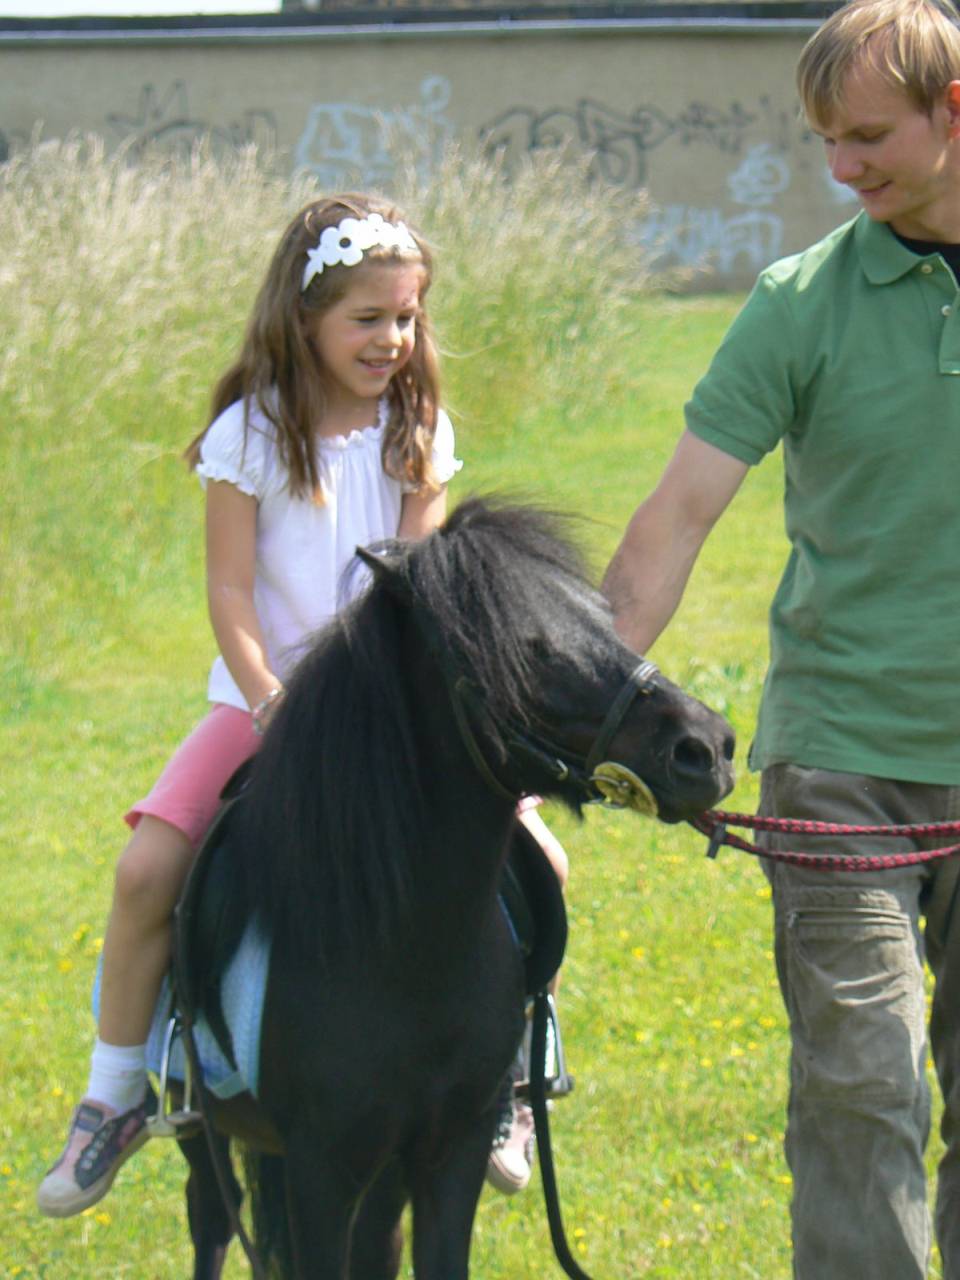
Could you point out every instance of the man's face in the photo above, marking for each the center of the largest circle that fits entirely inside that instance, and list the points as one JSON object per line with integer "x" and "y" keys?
{"x": 903, "y": 164}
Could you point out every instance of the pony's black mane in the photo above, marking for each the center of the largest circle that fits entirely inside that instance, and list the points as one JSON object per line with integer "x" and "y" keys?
{"x": 336, "y": 803}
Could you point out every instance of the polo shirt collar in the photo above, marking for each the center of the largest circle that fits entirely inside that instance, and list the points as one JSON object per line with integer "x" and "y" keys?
{"x": 882, "y": 256}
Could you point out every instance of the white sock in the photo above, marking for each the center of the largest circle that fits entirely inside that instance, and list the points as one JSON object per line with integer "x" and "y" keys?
{"x": 118, "y": 1074}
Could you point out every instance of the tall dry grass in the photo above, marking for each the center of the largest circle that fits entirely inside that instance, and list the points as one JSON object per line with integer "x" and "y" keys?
{"x": 539, "y": 273}
{"x": 124, "y": 290}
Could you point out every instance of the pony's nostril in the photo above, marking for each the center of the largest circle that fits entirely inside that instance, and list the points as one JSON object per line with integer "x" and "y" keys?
{"x": 729, "y": 746}
{"x": 692, "y": 755}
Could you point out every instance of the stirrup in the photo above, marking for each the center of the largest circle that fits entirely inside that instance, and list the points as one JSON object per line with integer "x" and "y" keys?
{"x": 177, "y": 1123}
{"x": 557, "y": 1081}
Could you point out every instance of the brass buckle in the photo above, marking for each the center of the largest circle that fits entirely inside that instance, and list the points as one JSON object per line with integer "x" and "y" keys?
{"x": 620, "y": 788}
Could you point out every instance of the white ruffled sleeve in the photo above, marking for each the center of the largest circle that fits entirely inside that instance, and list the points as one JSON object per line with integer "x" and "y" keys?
{"x": 226, "y": 455}
{"x": 444, "y": 461}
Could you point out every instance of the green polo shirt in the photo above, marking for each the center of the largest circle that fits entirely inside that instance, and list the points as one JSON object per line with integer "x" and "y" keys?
{"x": 850, "y": 354}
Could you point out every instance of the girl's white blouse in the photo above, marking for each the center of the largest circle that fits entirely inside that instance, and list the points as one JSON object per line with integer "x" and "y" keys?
{"x": 302, "y": 549}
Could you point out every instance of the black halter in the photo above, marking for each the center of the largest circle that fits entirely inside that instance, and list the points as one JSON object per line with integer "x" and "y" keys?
{"x": 598, "y": 779}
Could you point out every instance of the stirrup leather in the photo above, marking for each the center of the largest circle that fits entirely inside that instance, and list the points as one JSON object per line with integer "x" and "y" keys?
{"x": 557, "y": 1080}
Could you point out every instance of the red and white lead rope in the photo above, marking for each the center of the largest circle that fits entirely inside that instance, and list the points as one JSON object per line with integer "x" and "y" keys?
{"x": 714, "y": 825}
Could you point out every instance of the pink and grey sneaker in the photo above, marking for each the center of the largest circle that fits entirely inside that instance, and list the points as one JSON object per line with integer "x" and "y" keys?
{"x": 510, "y": 1162}
{"x": 100, "y": 1140}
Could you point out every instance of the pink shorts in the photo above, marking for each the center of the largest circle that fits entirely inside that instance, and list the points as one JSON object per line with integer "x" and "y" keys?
{"x": 187, "y": 793}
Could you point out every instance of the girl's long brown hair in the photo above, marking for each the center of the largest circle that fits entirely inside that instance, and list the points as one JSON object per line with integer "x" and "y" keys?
{"x": 280, "y": 372}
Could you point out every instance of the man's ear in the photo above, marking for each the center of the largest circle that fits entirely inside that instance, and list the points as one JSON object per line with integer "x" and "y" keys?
{"x": 953, "y": 108}
{"x": 389, "y": 568}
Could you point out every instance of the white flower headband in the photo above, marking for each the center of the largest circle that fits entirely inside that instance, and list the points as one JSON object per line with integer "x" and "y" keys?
{"x": 347, "y": 242}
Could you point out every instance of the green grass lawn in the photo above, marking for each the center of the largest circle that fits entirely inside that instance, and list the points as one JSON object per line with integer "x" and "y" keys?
{"x": 668, "y": 1151}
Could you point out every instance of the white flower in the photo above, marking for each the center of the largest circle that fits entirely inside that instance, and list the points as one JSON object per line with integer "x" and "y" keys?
{"x": 367, "y": 232}
{"x": 403, "y": 238}
{"x": 351, "y": 237}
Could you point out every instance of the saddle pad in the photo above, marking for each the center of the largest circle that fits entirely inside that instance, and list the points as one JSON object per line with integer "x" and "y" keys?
{"x": 242, "y": 993}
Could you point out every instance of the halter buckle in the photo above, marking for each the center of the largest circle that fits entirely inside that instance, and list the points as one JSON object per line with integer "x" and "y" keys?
{"x": 620, "y": 788}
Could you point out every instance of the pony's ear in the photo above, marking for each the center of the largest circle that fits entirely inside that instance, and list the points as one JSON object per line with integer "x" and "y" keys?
{"x": 389, "y": 569}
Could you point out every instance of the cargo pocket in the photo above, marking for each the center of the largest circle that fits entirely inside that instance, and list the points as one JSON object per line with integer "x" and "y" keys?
{"x": 855, "y": 995}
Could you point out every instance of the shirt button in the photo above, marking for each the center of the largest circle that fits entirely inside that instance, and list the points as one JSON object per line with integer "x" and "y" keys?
{"x": 927, "y": 268}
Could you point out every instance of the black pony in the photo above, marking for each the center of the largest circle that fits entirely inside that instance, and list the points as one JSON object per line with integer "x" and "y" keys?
{"x": 477, "y": 667}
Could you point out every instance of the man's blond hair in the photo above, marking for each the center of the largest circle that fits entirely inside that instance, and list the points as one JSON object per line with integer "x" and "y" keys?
{"x": 913, "y": 44}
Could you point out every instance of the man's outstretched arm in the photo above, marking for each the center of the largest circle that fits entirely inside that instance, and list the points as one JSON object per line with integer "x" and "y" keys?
{"x": 647, "y": 576}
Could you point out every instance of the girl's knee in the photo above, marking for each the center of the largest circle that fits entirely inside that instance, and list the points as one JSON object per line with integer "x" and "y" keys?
{"x": 557, "y": 857}
{"x": 554, "y": 851}
{"x": 152, "y": 869}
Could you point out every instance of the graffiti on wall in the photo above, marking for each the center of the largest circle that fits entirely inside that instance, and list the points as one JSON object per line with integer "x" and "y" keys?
{"x": 692, "y": 237}
{"x": 617, "y": 143}
{"x": 164, "y": 120}
{"x": 345, "y": 144}
{"x": 618, "y": 147}
{"x": 760, "y": 178}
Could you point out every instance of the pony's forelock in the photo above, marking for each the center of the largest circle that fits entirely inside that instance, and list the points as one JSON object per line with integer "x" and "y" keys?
{"x": 494, "y": 562}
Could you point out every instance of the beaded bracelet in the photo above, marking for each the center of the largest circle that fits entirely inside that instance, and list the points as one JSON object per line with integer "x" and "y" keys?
{"x": 262, "y": 707}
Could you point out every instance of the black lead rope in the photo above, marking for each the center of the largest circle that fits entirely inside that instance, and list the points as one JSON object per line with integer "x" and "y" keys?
{"x": 538, "y": 1103}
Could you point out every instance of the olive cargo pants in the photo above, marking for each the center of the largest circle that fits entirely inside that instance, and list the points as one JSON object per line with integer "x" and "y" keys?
{"x": 849, "y": 950}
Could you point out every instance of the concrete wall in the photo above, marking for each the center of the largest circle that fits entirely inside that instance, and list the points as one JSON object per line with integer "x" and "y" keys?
{"x": 702, "y": 113}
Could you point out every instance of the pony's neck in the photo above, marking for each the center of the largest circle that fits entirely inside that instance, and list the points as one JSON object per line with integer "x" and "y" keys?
{"x": 457, "y": 879}
{"x": 469, "y": 824}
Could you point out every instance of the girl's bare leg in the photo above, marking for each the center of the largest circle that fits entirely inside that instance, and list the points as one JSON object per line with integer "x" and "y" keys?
{"x": 136, "y": 949}
{"x": 109, "y": 1125}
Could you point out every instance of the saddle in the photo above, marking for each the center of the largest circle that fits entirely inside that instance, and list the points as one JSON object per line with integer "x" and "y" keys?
{"x": 210, "y": 928}
{"x": 533, "y": 900}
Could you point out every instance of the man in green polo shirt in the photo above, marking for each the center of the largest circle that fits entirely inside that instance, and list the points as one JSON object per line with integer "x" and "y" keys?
{"x": 849, "y": 355}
